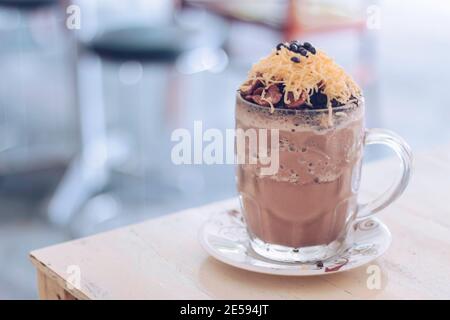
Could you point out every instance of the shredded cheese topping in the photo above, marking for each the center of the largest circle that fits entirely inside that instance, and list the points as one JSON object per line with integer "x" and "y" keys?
{"x": 314, "y": 72}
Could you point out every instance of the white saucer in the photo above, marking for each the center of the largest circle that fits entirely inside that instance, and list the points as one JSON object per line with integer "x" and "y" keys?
{"x": 224, "y": 236}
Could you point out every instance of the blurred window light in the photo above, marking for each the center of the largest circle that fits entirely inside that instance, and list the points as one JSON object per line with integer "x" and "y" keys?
{"x": 130, "y": 72}
{"x": 214, "y": 60}
{"x": 9, "y": 19}
{"x": 101, "y": 15}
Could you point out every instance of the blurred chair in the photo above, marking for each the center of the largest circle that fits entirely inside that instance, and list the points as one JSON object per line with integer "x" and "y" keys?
{"x": 36, "y": 81}
{"x": 127, "y": 88}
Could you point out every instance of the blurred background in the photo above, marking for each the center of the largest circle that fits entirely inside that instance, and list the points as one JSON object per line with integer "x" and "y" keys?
{"x": 90, "y": 91}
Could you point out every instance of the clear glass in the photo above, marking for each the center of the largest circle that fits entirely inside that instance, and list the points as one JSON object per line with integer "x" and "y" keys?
{"x": 302, "y": 212}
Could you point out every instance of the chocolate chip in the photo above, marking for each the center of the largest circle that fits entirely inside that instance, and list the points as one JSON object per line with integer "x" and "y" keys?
{"x": 280, "y": 45}
{"x": 319, "y": 264}
{"x": 303, "y": 52}
{"x": 293, "y": 47}
{"x": 295, "y": 59}
{"x": 309, "y": 47}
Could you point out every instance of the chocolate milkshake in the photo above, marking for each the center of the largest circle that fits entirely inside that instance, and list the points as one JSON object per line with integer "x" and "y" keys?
{"x": 301, "y": 212}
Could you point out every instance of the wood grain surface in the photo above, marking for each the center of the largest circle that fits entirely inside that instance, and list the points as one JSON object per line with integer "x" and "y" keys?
{"x": 162, "y": 258}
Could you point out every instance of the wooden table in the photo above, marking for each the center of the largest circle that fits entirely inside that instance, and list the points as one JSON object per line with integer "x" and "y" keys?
{"x": 162, "y": 258}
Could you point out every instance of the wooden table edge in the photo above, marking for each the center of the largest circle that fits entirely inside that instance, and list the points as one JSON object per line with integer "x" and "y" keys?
{"x": 51, "y": 286}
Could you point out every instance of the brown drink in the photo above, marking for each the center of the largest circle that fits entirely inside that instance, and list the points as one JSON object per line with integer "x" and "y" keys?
{"x": 302, "y": 112}
{"x": 309, "y": 200}
{"x": 301, "y": 212}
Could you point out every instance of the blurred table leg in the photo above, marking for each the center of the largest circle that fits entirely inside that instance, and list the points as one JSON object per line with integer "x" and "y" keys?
{"x": 88, "y": 173}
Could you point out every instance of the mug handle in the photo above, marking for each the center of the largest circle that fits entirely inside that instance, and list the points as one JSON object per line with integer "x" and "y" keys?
{"x": 403, "y": 151}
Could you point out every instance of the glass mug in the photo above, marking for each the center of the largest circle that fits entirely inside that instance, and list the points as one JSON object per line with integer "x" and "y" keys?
{"x": 304, "y": 209}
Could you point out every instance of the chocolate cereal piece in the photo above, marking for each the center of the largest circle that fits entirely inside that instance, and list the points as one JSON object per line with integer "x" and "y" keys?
{"x": 291, "y": 103}
{"x": 273, "y": 94}
{"x": 250, "y": 86}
